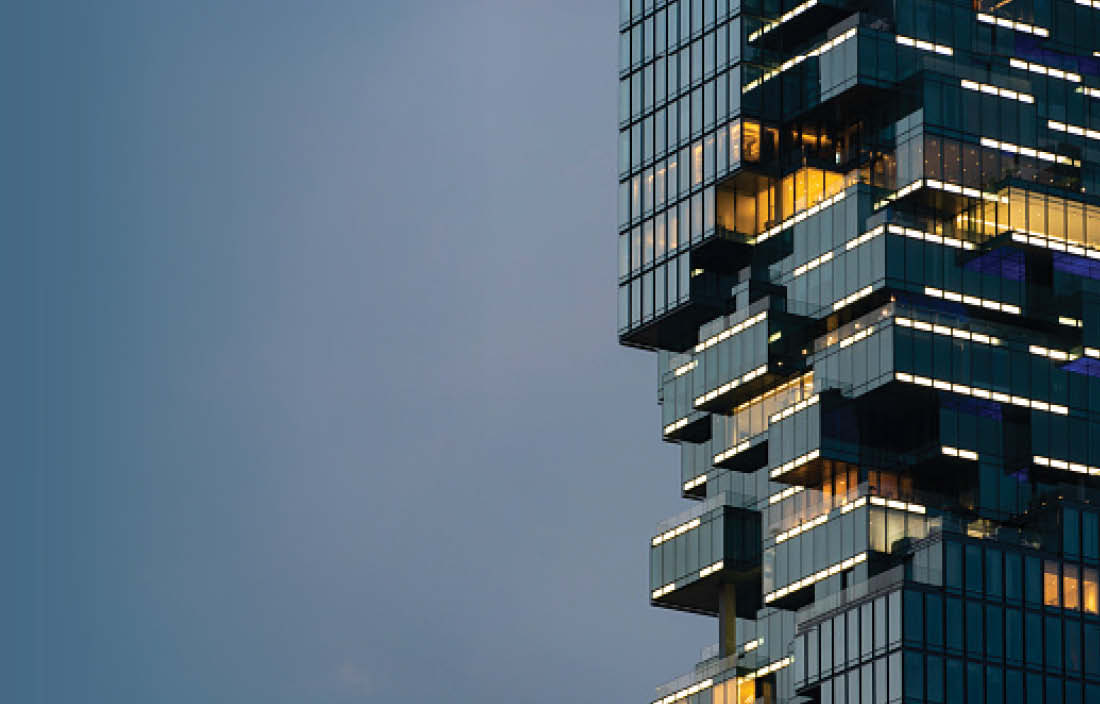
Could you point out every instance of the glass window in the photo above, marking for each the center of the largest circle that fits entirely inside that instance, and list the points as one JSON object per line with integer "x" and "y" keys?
{"x": 1070, "y": 590}
{"x": 974, "y": 682}
{"x": 993, "y": 573}
{"x": 1014, "y": 636}
{"x": 1033, "y": 580}
{"x": 1051, "y": 596}
{"x": 1013, "y": 576}
{"x": 914, "y": 674}
{"x": 1054, "y": 642}
{"x": 994, "y": 632}
{"x": 1090, "y": 591}
{"x": 974, "y": 627}
{"x": 954, "y": 624}
{"x": 934, "y": 679}
{"x": 954, "y": 680}
{"x": 894, "y": 621}
{"x": 934, "y": 620}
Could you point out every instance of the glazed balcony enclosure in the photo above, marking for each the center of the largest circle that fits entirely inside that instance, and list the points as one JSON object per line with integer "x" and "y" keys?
{"x": 694, "y": 554}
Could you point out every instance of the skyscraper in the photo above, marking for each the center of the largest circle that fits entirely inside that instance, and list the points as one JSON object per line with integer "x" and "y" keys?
{"x": 864, "y": 240}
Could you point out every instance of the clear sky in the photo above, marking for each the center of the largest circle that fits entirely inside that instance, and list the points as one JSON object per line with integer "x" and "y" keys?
{"x": 311, "y": 385}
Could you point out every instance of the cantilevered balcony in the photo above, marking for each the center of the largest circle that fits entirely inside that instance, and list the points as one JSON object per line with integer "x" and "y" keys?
{"x": 695, "y": 553}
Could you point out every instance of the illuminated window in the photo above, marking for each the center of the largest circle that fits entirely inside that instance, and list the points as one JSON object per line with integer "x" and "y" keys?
{"x": 1050, "y": 584}
{"x": 1070, "y": 593}
{"x": 1090, "y": 588}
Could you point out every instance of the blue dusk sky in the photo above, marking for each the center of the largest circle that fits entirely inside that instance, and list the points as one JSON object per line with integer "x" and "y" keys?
{"x": 311, "y": 385}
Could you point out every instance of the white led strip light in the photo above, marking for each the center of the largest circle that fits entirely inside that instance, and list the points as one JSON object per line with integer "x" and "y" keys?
{"x": 1056, "y": 355}
{"x": 899, "y": 505}
{"x": 1060, "y": 244}
{"x": 1073, "y": 129}
{"x": 673, "y": 427}
{"x": 802, "y": 528}
{"x": 813, "y": 264}
{"x": 795, "y": 219}
{"x": 997, "y": 92}
{"x": 711, "y": 569}
{"x": 1063, "y": 464}
{"x": 852, "y": 506}
{"x": 1092, "y": 352}
{"x": 1018, "y": 26}
{"x": 1028, "y": 151}
{"x": 730, "y": 331}
{"x": 686, "y": 692}
{"x": 1094, "y": 4}
{"x": 971, "y": 300}
{"x": 658, "y": 593}
{"x": 940, "y": 186}
{"x": 685, "y": 368}
{"x": 925, "y": 46}
{"x": 1090, "y": 92}
{"x": 785, "y": 494}
{"x": 865, "y": 291}
{"x": 791, "y": 410}
{"x": 731, "y": 385}
{"x": 796, "y": 60}
{"x": 785, "y": 17}
{"x": 1072, "y": 322}
{"x": 865, "y": 237}
{"x": 816, "y": 577}
{"x": 947, "y": 331}
{"x": 962, "y": 190}
{"x": 862, "y": 334}
{"x": 958, "y": 452}
{"x": 795, "y": 463}
{"x": 678, "y": 530}
{"x": 697, "y": 481}
{"x": 986, "y": 394}
{"x": 1045, "y": 70}
{"x": 726, "y": 454}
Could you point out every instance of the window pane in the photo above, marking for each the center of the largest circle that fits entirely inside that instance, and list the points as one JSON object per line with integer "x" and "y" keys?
{"x": 1050, "y": 583}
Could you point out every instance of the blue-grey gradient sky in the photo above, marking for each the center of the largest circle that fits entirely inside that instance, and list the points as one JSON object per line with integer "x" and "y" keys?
{"x": 312, "y": 389}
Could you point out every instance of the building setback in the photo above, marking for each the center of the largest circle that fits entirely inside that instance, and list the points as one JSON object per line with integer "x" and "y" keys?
{"x": 864, "y": 240}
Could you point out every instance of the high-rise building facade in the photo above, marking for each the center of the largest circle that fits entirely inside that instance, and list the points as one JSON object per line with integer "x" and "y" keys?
{"x": 864, "y": 240}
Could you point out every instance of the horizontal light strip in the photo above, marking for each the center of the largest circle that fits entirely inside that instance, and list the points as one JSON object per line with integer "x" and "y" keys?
{"x": 862, "y": 334}
{"x": 963, "y": 190}
{"x": 957, "y": 452}
{"x": 673, "y": 427}
{"x": 667, "y": 589}
{"x": 947, "y": 331}
{"x": 767, "y": 669}
{"x": 711, "y": 569}
{"x": 1045, "y": 70}
{"x": 726, "y": 454}
{"x": 986, "y": 394}
{"x": 1063, "y": 464}
{"x": 1072, "y": 322}
{"x": 685, "y": 368}
{"x": 795, "y": 463}
{"x": 697, "y": 481}
{"x": 785, "y": 494}
{"x": 731, "y": 385}
{"x": 1092, "y": 352}
{"x": 1060, "y": 244}
{"x": 796, "y": 60}
{"x": 752, "y": 645}
{"x": 940, "y": 186}
{"x": 925, "y": 46}
{"x": 971, "y": 300}
{"x": 1090, "y": 92}
{"x": 802, "y": 528}
{"x": 1018, "y": 26}
{"x": 686, "y": 692}
{"x": 899, "y": 505}
{"x": 1094, "y": 4}
{"x": 785, "y": 17}
{"x": 1028, "y": 151}
{"x": 853, "y": 505}
{"x": 813, "y": 264}
{"x": 996, "y": 92}
{"x": 864, "y": 238}
{"x": 678, "y": 530}
{"x": 863, "y": 292}
{"x": 731, "y": 331}
{"x": 1073, "y": 129}
{"x": 799, "y": 217}
{"x": 816, "y": 577}
{"x": 791, "y": 410}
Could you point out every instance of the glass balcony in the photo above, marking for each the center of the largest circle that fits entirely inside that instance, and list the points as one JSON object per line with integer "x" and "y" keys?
{"x": 696, "y": 553}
